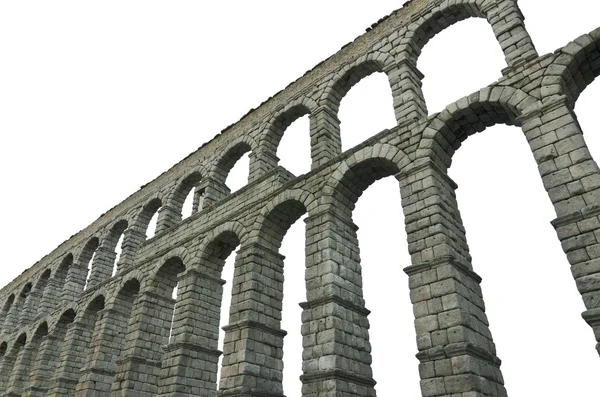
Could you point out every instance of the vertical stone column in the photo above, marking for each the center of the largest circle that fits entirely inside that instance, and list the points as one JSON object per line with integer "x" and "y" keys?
{"x": 50, "y": 297}
{"x": 11, "y": 319}
{"x": 214, "y": 190}
{"x": 138, "y": 370}
{"x": 325, "y": 139}
{"x": 253, "y": 347}
{"x": 572, "y": 179}
{"x": 97, "y": 376}
{"x": 168, "y": 217}
{"x": 455, "y": 348}
{"x": 72, "y": 356}
{"x": 44, "y": 366}
{"x": 20, "y": 371}
{"x": 337, "y": 353}
{"x": 102, "y": 266}
{"x": 29, "y": 307}
{"x": 509, "y": 28}
{"x": 6, "y": 365}
{"x": 133, "y": 238}
{"x": 74, "y": 283}
{"x": 191, "y": 358}
{"x": 406, "y": 82}
{"x": 262, "y": 160}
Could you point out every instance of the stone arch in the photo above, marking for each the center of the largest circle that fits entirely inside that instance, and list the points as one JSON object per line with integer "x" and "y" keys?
{"x": 351, "y": 74}
{"x": 61, "y": 272}
{"x": 85, "y": 261}
{"x": 273, "y": 129}
{"x": 233, "y": 151}
{"x": 67, "y": 316}
{"x": 352, "y": 177}
{"x": 92, "y": 304}
{"x": 217, "y": 245}
{"x": 39, "y": 304}
{"x": 277, "y": 216}
{"x": 180, "y": 192}
{"x": 446, "y": 131}
{"x": 512, "y": 36}
{"x": 134, "y": 275}
{"x": 145, "y": 214}
{"x": 105, "y": 261}
{"x": 574, "y": 68}
{"x": 6, "y": 321}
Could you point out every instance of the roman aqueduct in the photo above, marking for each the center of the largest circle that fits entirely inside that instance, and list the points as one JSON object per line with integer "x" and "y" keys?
{"x": 65, "y": 332}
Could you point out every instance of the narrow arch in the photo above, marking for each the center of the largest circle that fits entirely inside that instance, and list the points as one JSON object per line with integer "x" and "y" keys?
{"x": 39, "y": 299}
{"x": 109, "y": 259}
{"x": 185, "y": 187}
{"x": 148, "y": 212}
{"x": 6, "y": 321}
{"x": 216, "y": 187}
{"x": 85, "y": 259}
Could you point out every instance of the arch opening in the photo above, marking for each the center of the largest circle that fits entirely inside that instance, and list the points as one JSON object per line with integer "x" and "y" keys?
{"x": 113, "y": 244}
{"x": 367, "y": 107}
{"x": 148, "y": 217}
{"x": 233, "y": 169}
{"x": 87, "y": 256}
{"x": 493, "y": 200}
{"x": 376, "y": 253}
{"x": 184, "y": 200}
{"x": 294, "y": 146}
{"x": 464, "y": 70}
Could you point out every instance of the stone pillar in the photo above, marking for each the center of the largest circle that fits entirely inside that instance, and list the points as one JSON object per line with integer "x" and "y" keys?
{"x": 262, "y": 161}
{"x": 133, "y": 238}
{"x": 74, "y": 283}
{"x": 138, "y": 370}
{"x": 455, "y": 348}
{"x": 11, "y": 319}
{"x": 253, "y": 347}
{"x": 98, "y": 374}
{"x": 72, "y": 359}
{"x": 191, "y": 358}
{"x": 325, "y": 139}
{"x": 19, "y": 375}
{"x": 102, "y": 266}
{"x": 406, "y": 82}
{"x": 509, "y": 28}
{"x": 6, "y": 365}
{"x": 50, "y": 297}
{"x": 337, "y": 353}
{"x": 214, "y": 190}
{"x": 168, "y": 217}
{"x": 572, "y": 179}
{"x": 44, "y": 366}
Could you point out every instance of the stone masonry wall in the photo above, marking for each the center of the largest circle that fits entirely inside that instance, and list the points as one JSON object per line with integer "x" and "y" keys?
{"x": 64, "y": 331}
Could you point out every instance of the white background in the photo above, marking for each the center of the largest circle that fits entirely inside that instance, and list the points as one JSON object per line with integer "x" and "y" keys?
{"x": 98, "y": 98}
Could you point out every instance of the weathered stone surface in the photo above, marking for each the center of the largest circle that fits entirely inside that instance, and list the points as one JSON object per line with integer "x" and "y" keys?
{"x": 67, "y": 328}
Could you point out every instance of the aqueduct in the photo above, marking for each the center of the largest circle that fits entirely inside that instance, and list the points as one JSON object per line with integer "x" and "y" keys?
{"x": 62, "y": 329}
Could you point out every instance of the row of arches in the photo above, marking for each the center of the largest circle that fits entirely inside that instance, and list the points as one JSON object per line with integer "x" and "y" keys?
{"x": 259, "y": 268}
{"x": 325, "y": 142}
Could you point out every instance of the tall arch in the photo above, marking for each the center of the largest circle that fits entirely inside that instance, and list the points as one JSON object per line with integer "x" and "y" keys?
{"x": 256, "y": 300}
{"x": 214, "y": 187}
{"x": 78, "y": 338}
{"x": 105, "y": 349}
{"x": 153, "y": 313}
{"x": 48, "y": 354}
{"x": 24, "y": 360}
{"x": 7, "y": 319}
{"x": 12, "y": 356}
{"x": 39, "y": 306}
{"x": 104, "y": 263}
{"x": 199, "y": 301}
{"x": 84, "y": 263}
